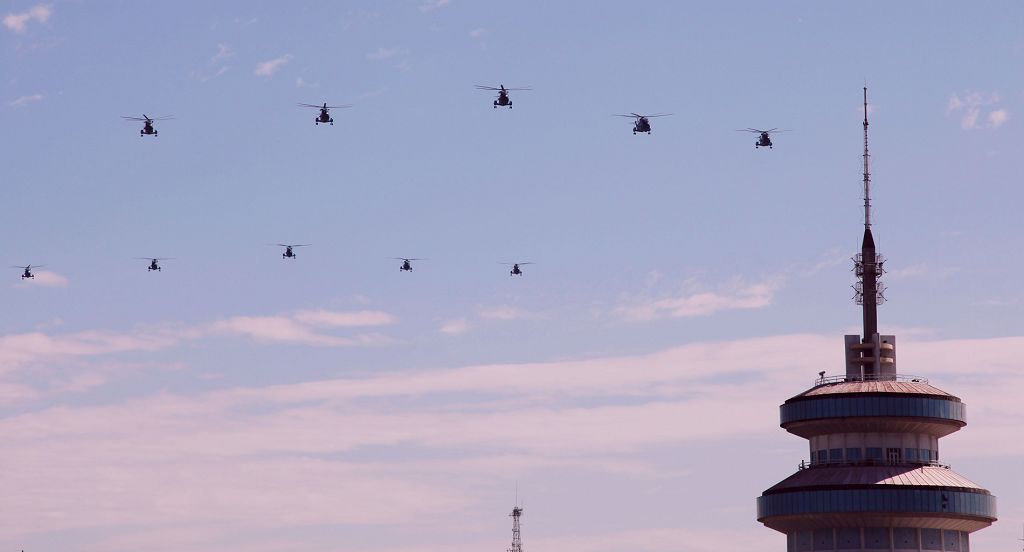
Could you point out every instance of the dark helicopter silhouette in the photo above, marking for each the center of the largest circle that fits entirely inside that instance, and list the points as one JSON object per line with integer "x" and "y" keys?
{"x": 641, "y": 122}
{"x": 28, "y": 270}
{"x": 325, "y": 112}
{"x": 147, "y": 123}
{"x": 764, "y": 140}
{"x": 153, "y": 265}
{"x": 503, "y": 99}
{"x": 406, "y": 263}
{"x": 288, "y": 253}
{"x": 515, "y": 268}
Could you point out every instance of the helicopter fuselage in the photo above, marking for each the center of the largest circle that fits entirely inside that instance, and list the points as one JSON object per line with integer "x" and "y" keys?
{"x": 503, "y": 100}
{"x": 324, "y": 117}
{"x": 764, "y": 141}
{"x": 147, "y": 128}
{"x": 642, "y": 125}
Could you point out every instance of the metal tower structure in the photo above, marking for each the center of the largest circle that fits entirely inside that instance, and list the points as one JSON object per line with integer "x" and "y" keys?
{"x": 874, "y": 482}
{"x": 517, "y": 542}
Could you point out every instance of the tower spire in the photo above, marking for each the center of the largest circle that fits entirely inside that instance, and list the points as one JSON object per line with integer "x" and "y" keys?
{"x": 867, "y": 174}
{"x": 868, "y": 264}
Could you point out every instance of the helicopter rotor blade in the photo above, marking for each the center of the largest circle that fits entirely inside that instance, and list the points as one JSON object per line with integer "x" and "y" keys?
{"x": 482, "y": 87}
{"x": 658, "y": 115}
{"x": 629, "y": 116}
{"x": 309, "y": 105}
{"x": 132, "y": 118}
{"x": 344, "y": 106}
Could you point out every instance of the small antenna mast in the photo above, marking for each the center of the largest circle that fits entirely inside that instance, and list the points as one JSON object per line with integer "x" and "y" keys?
{"x": 867, "y": 174}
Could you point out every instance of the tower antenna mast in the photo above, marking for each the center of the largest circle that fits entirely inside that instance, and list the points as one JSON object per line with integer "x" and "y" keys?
{"x": 867, "y": 174}
{"x": 517, "y": 542}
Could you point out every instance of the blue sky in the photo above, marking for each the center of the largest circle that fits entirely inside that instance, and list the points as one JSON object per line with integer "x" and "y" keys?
{"x": 685, "y": 283}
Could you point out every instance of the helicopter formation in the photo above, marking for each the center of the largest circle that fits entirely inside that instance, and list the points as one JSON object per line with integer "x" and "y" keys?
{"x": 641, "y": 124}
{"x": 289, "y": 253}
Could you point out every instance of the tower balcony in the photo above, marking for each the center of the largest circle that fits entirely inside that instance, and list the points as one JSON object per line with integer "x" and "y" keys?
{"x": 876, "y": 496}
{"x": 883, "y": 404}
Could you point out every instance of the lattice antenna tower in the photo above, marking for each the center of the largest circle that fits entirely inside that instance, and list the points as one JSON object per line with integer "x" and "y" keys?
{"x": 517, "y": 512}
{"x": 868, "y": 265}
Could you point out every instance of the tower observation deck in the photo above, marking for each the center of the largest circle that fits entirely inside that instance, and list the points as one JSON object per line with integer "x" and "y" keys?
{"x": 874, "y": 481}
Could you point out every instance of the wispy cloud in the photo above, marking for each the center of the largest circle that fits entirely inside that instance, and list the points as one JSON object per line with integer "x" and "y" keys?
{"x": 695, "y": 301}
{"x": 25, "y": 100}
{"x": 269, "y": 67}
{"x": 457, "y": 326}
{"x": 478, "y": 33}
{"x": 209, "y": 468}
{"x": 224, "y": 52}
{"x": 431, "y": 5}
{"x": 301, "y": 327}
{"x": 970, "y": 106}
{"x": 502, "y": 312}
{"x": 18, "y": 22}
{"x": 385, "y": 53}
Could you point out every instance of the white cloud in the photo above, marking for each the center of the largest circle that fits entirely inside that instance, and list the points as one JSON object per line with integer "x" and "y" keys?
{"x": 18, "y": 22}
{"x": 998, "y": 117}
{"x": 458, "y": 326}
{"x": 25, "y": 100}
{"x": 700, "y": 302}
{"x": 300, "y": 327}
{"x": 224, "y": 52}
{"x": 269, "y": 67}
{"x": 44, "y": 278}
{"x": 344, "y": 319}
{"x": 478, "y": 33}
{"x": 503, "y": 312}
{"x": 385, "y": 53}
{"x": 431, "y": 5}
{"x": 972, "y": 105}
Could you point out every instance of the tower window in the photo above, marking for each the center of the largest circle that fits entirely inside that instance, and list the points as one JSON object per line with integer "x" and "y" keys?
{"x": 853, "y": 455}
{"x": 911, "y": 454}
{"x": 893, "y": 455}
{"x": 835, "y": 455}
{"x": 873, "y": 453}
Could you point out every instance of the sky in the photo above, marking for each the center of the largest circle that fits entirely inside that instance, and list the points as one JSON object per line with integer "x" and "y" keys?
{"x": 626, "y": 386}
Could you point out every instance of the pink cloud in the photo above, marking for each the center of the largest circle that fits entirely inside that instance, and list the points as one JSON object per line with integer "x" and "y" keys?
{"x": 18, "y": 22}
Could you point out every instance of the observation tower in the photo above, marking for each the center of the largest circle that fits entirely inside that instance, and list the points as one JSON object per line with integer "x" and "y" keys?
{"x": 874, "y": 481}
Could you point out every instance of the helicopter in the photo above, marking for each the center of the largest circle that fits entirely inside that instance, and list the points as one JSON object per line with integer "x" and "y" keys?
{"x": 147, "y": 123}
{"x": 288, "y": 253}
{"x": 503, "y": 99}
{"x": 153, "y": 265}
{"x": 406, "y": 264}
{"x": 515, "y": 268}
{"x": 763, "y": 140}
{"x": 28, "y": 270}
{"x": 641, "y": 123}
{"x": 325, "y": 112}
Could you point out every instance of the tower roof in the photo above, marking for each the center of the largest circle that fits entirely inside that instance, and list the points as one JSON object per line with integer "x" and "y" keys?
{"x": 874, "y": 387}
{"x": 841, "y": 476}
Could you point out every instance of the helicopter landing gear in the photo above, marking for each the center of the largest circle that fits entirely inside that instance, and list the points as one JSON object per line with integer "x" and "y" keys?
{"x": 332, "y": 122}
